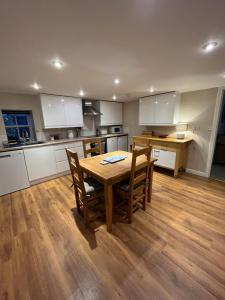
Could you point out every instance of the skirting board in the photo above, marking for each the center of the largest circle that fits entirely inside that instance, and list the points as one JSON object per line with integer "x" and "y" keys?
{"x": 37, "y": 181}
{"x": 195, "y": 172}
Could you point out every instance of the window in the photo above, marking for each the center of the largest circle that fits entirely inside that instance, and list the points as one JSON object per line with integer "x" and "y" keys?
{"x": 18, "y": 125}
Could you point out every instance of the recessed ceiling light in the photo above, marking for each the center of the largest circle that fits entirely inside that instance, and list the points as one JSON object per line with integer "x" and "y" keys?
{"x": 114, "y": 97}
{"x": 223, "y": 75}
{"x": 81, "y": 93}
{"x": 57, "y": 63}
{"x": 36, "y": 86}
{"x": 116, "y": 81}
{"x": 209, "y": 46}
{"x": 151, "y": 90}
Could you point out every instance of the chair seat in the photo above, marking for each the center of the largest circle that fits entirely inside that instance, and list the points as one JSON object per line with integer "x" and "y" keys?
{"x": 124, "y": 185}
{"x": 92, "y": 186}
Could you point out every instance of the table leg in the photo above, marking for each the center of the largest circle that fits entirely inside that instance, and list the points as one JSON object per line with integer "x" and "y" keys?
{"x": 150, "y": 183}
{"x": 108, "y": 205}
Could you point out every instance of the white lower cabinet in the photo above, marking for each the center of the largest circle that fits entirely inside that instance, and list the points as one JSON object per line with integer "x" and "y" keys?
{"x": 46, "y": 161}
{"x": 112, "y": 144}
{"x": 40, "y": 162}
{"x": 62, "y": 164}
{"x": 164, "y": 158}
{"x": 122, "y": 143}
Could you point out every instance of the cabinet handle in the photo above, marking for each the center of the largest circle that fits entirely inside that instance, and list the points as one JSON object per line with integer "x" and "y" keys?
{"x": 4, "y": 156}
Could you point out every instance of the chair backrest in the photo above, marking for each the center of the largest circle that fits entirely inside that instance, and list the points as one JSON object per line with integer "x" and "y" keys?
{"x": 139, "y": 171}
{"x": 77, "y": 175}
{"x": 88, "y": 149}
{"x": 139, "y": 141}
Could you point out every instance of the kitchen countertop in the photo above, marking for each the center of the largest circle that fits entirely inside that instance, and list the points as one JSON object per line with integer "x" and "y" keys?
{"x": 56, "y": 142}
{"x": 167, "y": 139}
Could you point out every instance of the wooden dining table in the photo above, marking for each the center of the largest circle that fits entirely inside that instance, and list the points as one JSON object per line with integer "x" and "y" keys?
{"x": 111, "y": 174}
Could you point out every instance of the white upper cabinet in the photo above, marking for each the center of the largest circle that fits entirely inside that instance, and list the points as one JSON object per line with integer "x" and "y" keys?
{"x": 61, "y": 112}
{"x": 73, "y": 112}
{"x": 159, "y": 110}
{"x": 53, "y": 111}
{"x": 112, "y": 113}
{"x": 147, "y": 110}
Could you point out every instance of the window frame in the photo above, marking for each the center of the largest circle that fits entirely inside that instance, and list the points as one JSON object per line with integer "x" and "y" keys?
{"x": 15, "y": 112}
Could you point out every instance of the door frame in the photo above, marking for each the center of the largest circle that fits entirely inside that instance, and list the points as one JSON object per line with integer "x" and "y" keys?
{"x": 214, "y": 130}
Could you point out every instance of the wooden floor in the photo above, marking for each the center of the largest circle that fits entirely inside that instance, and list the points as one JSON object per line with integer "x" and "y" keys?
{"x": 174, "y": 250}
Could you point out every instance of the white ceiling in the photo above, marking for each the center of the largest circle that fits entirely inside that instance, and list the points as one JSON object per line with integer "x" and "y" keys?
{"x": 143, "y": 42}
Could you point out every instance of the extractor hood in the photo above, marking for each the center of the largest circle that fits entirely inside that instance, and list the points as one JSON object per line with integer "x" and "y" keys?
{"x": 89, "y": 109}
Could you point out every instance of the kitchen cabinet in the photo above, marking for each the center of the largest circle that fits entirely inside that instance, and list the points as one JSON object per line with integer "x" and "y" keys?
{"x": 171, "y": 153}
{"x": 61, "y": 160}
{"x": 147, "y": 110}
{"x": 166, "y": 159}
{"x": 47, "y": 161}
{"x": 111, "y": 113}
{"x": 61, "y": 112}
{"x": 159, "y": 110}
{"x": 112, "y": 144}
{"x": 73, "y": 112}
{"x": 40, "y": 162}
{"x": 122, "y": 142}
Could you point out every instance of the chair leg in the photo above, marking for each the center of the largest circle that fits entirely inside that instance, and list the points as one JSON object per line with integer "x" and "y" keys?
{"x": 77, "y": 201}
{"x": 130, "y": 211}
{"x": 144, "y": 203}
{"x": 145, "y": 198}
{"x": 86, "y": 219}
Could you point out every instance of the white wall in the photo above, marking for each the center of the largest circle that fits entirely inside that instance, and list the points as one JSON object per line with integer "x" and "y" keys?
{"x": 20, "y": 102}
{"x": 130, "y": 119}
{"x": 197, "y": 109}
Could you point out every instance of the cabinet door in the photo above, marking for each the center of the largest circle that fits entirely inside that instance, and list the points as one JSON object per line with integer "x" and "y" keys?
{"x": 112, "y": 113}
{"x": 117, "y": 109}
{"x": 53, "y": 111}
{"x": 165, "y": 109}
{"x": 147, "y": 110}
{"x": 40, "y": 162}
{"x": 73, "y": 112}
{"x": 122, "y": 143}
{"x": 165, "y": 158}
{"x": 112, "y": 144}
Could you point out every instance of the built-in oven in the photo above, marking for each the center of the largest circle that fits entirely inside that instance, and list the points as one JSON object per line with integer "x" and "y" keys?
{"x": 103, "y": 147}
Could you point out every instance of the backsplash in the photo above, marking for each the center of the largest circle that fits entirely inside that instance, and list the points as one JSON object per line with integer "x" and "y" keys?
{"x": 169, "y": 130}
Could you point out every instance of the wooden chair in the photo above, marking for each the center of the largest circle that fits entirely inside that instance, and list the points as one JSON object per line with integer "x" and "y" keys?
{"x": 95, "y": 150}
{"x": 140, "y": 142}
{"x": 87, "y": 191}
{"x": 135, "y": 191}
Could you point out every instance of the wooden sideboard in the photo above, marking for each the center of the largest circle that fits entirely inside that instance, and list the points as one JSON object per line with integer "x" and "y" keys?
{"x": 171, "y": 153}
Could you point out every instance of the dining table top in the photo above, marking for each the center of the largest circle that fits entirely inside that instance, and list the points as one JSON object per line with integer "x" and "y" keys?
{"x": 110, "y": 171}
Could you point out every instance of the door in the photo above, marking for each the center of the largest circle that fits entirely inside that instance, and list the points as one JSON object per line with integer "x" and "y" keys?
{"x": 164, "y": 158}
{"x": 73, "y": 112}
{"x": 13, "y": 172}
{"x": 112, "y": 144}
{"x": 53, "y": 111}
{"x": 40, "y": 162}
{"x": 165, "y": 109}
{"x": 122, "y": 143}
{"x": 112, "y": 113}
{"x": 147, "y": 110}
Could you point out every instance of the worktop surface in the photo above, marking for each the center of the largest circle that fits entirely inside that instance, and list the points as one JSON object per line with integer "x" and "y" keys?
{"x": 56, "y": 142}
{"x": 167, "y": 139}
